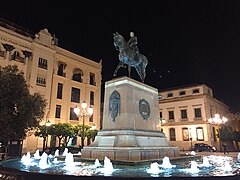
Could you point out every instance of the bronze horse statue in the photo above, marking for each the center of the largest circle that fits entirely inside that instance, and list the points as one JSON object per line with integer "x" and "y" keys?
{"x": 128, "y": 57}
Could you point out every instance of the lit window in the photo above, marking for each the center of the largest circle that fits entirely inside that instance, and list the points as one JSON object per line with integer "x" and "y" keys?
{"x": 200, "y": 134}
{"x": 185, "y": 133}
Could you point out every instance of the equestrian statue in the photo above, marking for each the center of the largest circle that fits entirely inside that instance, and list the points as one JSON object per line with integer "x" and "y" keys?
{"x": 130, "y": 55}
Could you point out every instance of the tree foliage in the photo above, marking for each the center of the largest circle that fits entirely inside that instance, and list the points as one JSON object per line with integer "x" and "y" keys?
{"x": 65, "y": 131}
{"x": 19, "y": 110}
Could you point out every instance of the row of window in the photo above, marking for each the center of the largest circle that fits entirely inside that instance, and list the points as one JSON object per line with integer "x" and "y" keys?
{"x": 181, "y": 93}
{"x": 75, "y": 94}
{"x": 171, "y": 117}
{"x": 77, "y": 74}
{"x": 73, "y": 115}
{"x": 186, "y": 134}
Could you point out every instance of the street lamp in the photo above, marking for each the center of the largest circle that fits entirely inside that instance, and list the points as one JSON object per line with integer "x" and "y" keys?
{"x": 162, "y": 123}
{"x": 190, "y": 134}
{"x": 216, "y": 120}
{"x": 47, "y": 124}
{"x": 83, "y": 113}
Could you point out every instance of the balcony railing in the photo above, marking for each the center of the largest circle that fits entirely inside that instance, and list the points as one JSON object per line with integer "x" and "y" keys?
{"x": 18, "y": 58}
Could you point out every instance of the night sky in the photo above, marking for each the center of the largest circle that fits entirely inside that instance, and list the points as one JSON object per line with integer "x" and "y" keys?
{"x": 185, "y": 42}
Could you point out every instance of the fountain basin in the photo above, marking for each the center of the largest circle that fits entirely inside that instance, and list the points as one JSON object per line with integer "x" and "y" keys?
{"x": 14, "y": 169}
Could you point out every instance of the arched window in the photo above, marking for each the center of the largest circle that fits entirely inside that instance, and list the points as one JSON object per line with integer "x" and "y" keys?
{"x": 77, "y": 75}
{"x": 61, "y": 67}
{"x": 92, "y": 79}
{"x": 17, "y": 57}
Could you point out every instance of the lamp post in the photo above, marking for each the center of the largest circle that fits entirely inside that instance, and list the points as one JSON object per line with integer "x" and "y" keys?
{"x": 216, "y": 120}
{"x": 83, "y": 113}
{"x": 162, "y": 123}
{"x": 47, "y": 124}
{"x": 190, "y": 134}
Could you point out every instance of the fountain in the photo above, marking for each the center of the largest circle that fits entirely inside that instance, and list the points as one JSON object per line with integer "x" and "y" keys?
{"x": 75, "y": 167}
{"x": 37, "y": 155}
{"x": 238, "y": 157}
{"x": 154, "y": 169}
{"x": 69, "y": 161}
{"x": 97, "y": 163}
{"x": 107, "y": 167}
{"x": 194, "y": 168}
{"x": 205, "y": 162}
{"x": 43, "y": 163}
{"x": 26, "y": 159}
{"x": 65, "y": 152}
{"x": 56, "y": 153}
{"x": 166, "y": 163}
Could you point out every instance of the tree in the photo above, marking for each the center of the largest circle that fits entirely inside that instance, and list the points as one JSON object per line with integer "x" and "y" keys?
{"x": 91, "y": 135}
{"x": 63, "y": 131}
{"x": 78, "y": 132}
{"x": 41, "y": 132}
{"x": 19, "y": 110}
{"x": 226, "y": 133}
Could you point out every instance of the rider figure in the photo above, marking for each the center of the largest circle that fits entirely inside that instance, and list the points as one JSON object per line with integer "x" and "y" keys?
{"x": 133, "y": 44}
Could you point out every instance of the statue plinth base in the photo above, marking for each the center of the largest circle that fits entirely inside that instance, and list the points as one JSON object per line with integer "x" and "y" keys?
{"x": 131, "y": 125}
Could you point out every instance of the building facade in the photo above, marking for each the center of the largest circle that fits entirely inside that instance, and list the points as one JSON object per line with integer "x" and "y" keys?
{"x": 65, "y": 79}
{"x": 184, "y": 114}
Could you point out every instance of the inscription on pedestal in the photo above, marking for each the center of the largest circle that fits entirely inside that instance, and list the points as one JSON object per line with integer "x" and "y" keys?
{"x": 144, "y": 109}
{"x": 114, "y": 104}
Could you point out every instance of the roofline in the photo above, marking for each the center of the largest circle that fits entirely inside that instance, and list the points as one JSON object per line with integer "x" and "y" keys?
{"x": 16, "y": 28}
{"x": 181, "y": 87}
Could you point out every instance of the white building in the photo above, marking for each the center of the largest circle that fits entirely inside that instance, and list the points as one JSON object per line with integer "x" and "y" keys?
{"x": 185, "y": 111}
{"x": 64, "y": 79}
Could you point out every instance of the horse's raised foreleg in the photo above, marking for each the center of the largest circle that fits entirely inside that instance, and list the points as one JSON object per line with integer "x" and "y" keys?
{"x": 121, "y": 64}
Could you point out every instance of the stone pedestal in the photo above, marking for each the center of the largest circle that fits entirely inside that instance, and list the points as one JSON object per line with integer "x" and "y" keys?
{"x": 131, "y": 124}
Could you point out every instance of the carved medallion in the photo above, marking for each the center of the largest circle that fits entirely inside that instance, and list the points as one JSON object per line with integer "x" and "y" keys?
{"x": 114, "y": 105}
{"x": 144, "y": 109}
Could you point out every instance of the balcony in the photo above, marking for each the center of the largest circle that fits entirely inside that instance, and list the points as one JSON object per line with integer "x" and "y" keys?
{"x": 18, "y": 58}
